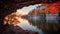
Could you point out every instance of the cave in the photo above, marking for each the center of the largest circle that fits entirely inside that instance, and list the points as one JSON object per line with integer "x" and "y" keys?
{"x": 10, "y": 6}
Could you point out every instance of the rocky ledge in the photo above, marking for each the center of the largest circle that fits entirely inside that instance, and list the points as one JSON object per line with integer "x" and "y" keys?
{"x": 16, "y": 30}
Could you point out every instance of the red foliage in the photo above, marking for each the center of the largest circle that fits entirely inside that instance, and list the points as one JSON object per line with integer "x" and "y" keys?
{"x": 54, "y": 8}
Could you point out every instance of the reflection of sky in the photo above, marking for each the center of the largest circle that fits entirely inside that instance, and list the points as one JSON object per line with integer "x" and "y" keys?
{"x": 25, "y": 10}
{"x": 24, "y": 24}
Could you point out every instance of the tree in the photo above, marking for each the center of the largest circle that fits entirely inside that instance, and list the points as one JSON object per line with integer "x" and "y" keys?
{"x": 11, "y": 19}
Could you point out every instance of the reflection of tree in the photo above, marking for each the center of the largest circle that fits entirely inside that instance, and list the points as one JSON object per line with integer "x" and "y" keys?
{"x": 47, "y": 28}
{"x": 59, "y": 18}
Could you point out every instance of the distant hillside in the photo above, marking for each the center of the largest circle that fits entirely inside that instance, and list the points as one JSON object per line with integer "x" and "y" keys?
{"x": 38, "y": 10}
{"x": 46, "y": 8}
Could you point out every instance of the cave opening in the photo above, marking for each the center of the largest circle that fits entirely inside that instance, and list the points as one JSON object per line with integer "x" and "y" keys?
{"x": 10, "y": 7}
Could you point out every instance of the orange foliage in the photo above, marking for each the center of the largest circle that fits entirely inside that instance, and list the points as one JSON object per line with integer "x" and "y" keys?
{"x": 54, "y": 8}
{"x": 11, "y": 19}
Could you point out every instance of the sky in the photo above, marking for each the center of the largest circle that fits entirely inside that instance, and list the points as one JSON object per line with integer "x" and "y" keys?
{"x": 25, "y": 10}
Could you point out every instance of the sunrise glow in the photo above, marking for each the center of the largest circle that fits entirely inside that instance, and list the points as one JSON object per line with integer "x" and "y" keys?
{"x": 26, "y": 10}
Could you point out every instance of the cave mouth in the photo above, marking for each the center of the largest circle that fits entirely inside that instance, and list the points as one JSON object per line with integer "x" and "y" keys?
{"x": 15, "y": 10}
{"x": 12, "y": 14}
{"x": 26, "y": 9}
{"x": 12, "y": 18}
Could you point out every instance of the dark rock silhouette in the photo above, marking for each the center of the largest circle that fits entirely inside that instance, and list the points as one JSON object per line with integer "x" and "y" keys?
{"x": 10, "y": 29}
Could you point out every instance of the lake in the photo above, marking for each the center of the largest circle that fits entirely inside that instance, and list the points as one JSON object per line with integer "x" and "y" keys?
{"x": 40, "y": 26}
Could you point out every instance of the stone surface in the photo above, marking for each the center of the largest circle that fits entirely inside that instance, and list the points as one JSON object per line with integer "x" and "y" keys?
{"x": 10, "y": 29}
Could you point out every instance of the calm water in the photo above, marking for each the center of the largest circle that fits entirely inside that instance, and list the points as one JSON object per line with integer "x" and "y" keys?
{"x": 40, "y": 26}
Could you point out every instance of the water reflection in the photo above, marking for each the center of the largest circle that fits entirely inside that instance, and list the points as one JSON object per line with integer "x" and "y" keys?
{"x": 40, "y": 26}
{"x": 26, "y": 25}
